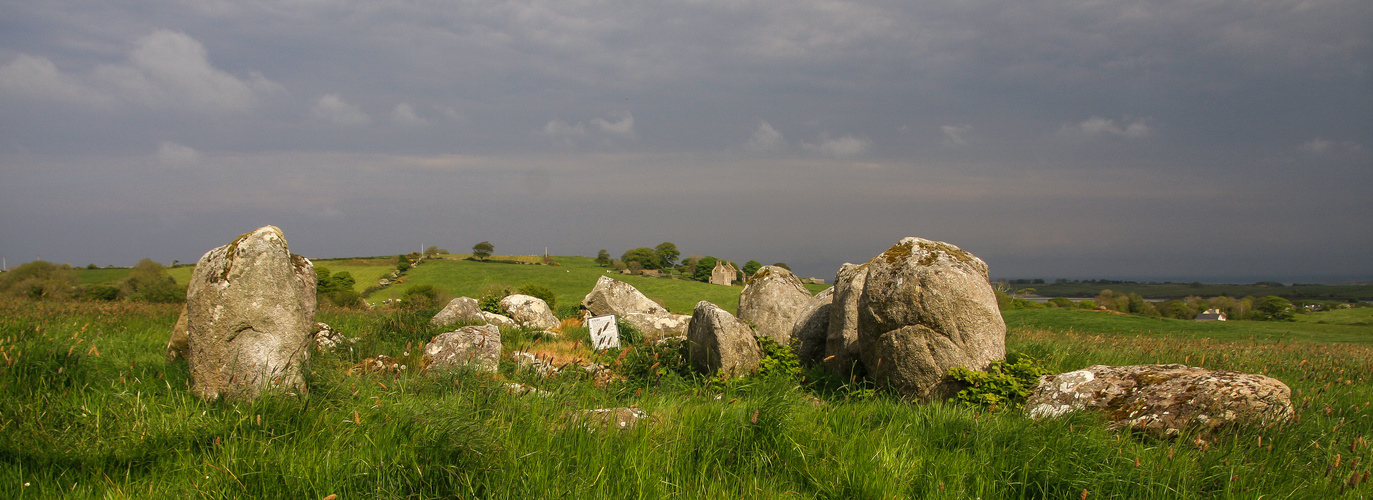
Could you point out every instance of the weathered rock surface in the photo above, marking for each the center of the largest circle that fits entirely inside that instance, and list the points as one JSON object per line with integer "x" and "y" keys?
{"x": 478, "y": 347}
{"x": 720, "y": 342}
{"x": 771, "y": 301}
{"x": 841, "y": 341}
{"x": 459, "y": 310}
{"x": 178, "y": 346}
{"x": 808, "y": 335}
{"x": 250, "y": 317}
{"x": 529, "y": 311}
{"x": 927, "y": 306}
{"x": 1163, "y": 398}
{"x": 500, "y": 321}
{"x": 381, "y": 363}
{"x": 327, "y": 338}
{"x": 611, "y": 296}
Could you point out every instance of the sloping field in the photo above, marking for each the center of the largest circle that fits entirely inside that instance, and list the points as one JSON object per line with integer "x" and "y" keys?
{"x": 571, "y": 280}
{"x": 1336, "y": 329}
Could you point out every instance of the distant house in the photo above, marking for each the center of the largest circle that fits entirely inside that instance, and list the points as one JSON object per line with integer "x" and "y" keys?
{"x": 1211, "y": 315}
{"x": 723, "y": 274}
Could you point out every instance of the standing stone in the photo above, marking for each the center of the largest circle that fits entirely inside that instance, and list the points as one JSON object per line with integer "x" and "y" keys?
{"x": 178, "y": 347}
{"x": 720, "y": 342}
{"x": 478, "y": 347}
{"x": 841, "y": 343}
{"x": 529, "y": 311}
{"x": 925, "y": 307}
{"x": 812, "y": 327}
{"x": 611, "y": 296}
{"x": 771, "y": 301}
{"x": 459, "y": 310}
{"x": 500, "y": 321}
{"x": 1166, "y": 399}
{"x": 250, "y": 317}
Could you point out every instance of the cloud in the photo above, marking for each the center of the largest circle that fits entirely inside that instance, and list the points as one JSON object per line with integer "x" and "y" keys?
{"x": 38, "y": 78}
{"x": 1317, "y": 145}
{"x": 570, "y": 133}
{"x": 165, "y": 70}
{"x": 172, "y": 154}
{"x": 1322, "y": 147}
{"x": 403, "y": 114}
{"x": 623, "y": 127}
{"x": 332, "y": 109}
{"x": 842, "y": 147}
{"x": 765, "y": 138}
{"x": 1097, "y": 126}
{"x": 955, "y": 135}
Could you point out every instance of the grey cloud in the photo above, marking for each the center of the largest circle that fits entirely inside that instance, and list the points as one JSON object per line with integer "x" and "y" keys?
{"x": 332, "y": 109}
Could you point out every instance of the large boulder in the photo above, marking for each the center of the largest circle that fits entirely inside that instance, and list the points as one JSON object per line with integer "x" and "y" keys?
{"x": 459, "y": 310}
{"x": 477, "y": 347}
{"x": 1166, "y": 399}
{"x": 499, "y": 320}
{"x": 771, "y": 301}
{"x": 720, "y": 342}
{"x": 841, "y": 340}
{"x": 611, "y": 296}
{"x": 808, "y": 335}
{"x": 250, "y": 317}
{"x": 529, "y": 311}
{"x": 925, "y": 307}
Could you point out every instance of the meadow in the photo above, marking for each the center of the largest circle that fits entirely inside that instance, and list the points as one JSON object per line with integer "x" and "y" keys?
{"x": 89, "y": 408}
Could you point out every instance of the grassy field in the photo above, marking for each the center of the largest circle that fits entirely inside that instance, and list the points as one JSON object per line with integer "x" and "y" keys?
{"x": 1339, "y": 293}
{"x": 571, "y": 280}
{"x": 89, "y": 409}
{"x": 1338, "y": 329}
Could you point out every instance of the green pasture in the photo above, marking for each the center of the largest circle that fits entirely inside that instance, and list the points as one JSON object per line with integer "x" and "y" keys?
{"x": 89, "y": 408}
{"x": 1309, "y": 328}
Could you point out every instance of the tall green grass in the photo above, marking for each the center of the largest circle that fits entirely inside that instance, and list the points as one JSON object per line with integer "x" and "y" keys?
{"x": 88, "y": 408}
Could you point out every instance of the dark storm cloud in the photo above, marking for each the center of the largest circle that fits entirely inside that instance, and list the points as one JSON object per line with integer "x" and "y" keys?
{"x": 1053, "y": 138}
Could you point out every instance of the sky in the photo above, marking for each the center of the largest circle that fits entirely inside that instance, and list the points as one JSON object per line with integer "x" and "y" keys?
{"x": 1213, "y": 140}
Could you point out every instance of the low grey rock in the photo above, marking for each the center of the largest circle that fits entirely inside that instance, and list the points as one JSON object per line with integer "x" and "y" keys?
{"x": 178, "y": 346}
{"x": 328, "y": 339}
{"x": 461, "y": 309}
{"x": 771, "y": 301}
{"x": 841, "y": 341}
{"x": 478, "y": 347}
{"x": 529, "y": 311}
{"x": 1166, "y": 399}
{"x": 720, "y": 342}
{"x": 611, "y": 296}
{"x": 498, "y": 320}
{"x": 809, "y": 334}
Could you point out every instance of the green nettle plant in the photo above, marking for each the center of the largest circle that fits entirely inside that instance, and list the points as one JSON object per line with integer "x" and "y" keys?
{"x": 778, "y": 359}
{"x": 1005, "y": 384}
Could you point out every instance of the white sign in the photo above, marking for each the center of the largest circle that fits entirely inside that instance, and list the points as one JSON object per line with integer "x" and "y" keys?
{"x": 604, "y": 333}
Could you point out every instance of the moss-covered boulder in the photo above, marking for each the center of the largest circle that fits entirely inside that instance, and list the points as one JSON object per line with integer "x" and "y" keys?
{"x": 719, "y": 342}
{"x": 250, "y": 318}
{"x": 925, "y": 307}
{"x": 771, "y": 301}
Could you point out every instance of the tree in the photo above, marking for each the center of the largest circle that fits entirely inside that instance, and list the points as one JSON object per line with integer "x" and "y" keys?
{"x": 643, "y": 255}
{"x": 704, "y": 267}
{"x": 149, "y": 282}
{"x": 1273, "y": 308}
{"x": 39, "y": 280}
{"x": 667, "y": 254}
{"x": 432, "y": 251}
{"x": 402, "y": 263}
{"x": 482, "y": 250}
{"x": 603, "y": 258}
{"x": 751, "y": 267}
